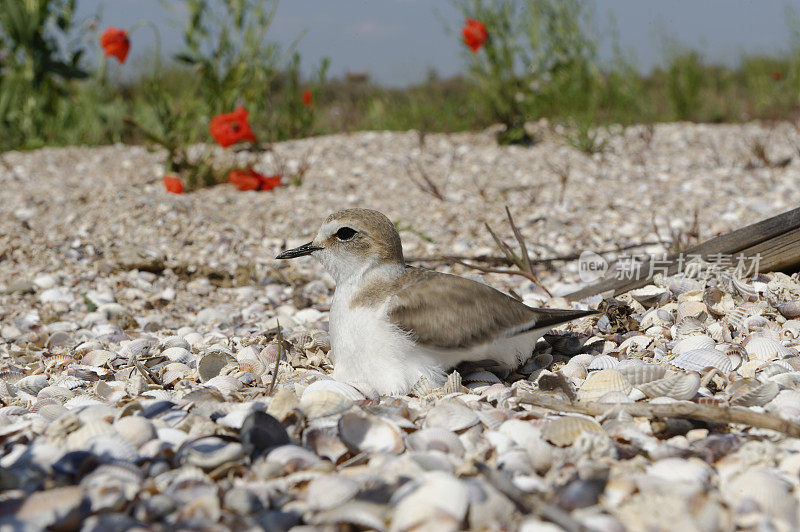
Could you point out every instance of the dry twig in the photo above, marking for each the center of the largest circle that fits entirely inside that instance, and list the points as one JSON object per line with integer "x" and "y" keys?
{"x": 522, "y": 262}
{"x": 683, "y": 410}
{"x": 277, "y": 361}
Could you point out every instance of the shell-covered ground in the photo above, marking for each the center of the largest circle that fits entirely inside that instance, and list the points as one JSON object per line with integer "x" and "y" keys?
{"x": 142, "y": 382}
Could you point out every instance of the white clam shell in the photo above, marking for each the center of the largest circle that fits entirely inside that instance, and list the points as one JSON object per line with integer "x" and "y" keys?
{"x": 754, "y": 394}
{"x": 451, "y": 415}
{"x": 701, "y": 359}
{"x": 681, "y": 386}
{"x": 763, "y": 348}
{"x": 603, "y": 362}
{"x": 692, "y": 343}
{"x": 435, "y": 439}
{"x": 564, "y": 430}
{"x": 322, "y": 402}
{"x": 638, "y": 374}
{"x": 335, "y": 386}
{"x": 210, "y": 365}
{"x": 369, "y": 433}
{"x": 599, "y": 383}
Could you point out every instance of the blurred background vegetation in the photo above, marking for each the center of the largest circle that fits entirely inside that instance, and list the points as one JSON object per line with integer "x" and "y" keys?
{"x": 540, "y": 61}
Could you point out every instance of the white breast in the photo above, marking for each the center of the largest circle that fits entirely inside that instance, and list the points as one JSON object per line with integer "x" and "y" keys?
{"x": 366, "y": 347}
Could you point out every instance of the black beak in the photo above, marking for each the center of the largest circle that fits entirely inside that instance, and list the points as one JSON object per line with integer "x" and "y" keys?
{"x": 305, "y": 249}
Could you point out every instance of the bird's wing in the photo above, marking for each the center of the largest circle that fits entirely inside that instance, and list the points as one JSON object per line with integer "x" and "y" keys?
{"x": 449, "y": 312}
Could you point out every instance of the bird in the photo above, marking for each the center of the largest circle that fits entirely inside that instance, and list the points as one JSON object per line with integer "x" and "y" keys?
{"x": 391, "y": 324}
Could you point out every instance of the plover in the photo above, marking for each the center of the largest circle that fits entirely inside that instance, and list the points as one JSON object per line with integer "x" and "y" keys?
{"x": 392, "y": 324}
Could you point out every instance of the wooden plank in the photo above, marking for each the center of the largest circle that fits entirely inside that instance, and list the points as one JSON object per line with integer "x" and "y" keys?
{"x": 776, "y": 240}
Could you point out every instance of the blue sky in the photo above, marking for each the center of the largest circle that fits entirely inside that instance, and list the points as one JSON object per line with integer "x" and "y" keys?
{"x": 398, "y": 41}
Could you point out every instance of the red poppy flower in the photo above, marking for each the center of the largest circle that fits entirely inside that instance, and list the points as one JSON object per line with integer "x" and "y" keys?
{"x": 249, "y": 179}
{"x": 115, "y": 42}
{"x": 474, "y": 34}
{"x": 230, "y": 128}
{"x": 777, "y": 75}
{"x": 308, "y": 98}
{"x": 173, "y": 184}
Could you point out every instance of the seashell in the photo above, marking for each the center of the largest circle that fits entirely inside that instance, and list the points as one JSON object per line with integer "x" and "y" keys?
{"x": 681, "y": 386}
{"x": 135, "y": 349}
{"x": 354, "y": 514}
{"x": 682, "y": 285}
{"x": 250, "y": 361}
{"x": 98, "y": 357}
{"x": 452, "y": 415}
{"x": 484, "y": 377}
{"x": 282, "y": 403}
{"x": 700, "y": 359}
{"x": 178, "y": 354}
{"x": 771, "y": 495}
{"x": 174, "y": 341}
{"x": 717, "y": 301}
{"x": 650, "y": 296}
{"x": 635, "y": 344}
{"x": 370, "y": 434}
{"x": 136, "y": 429}
{"x": 603, "y": 362}
{"x": 565, "y": 343}
{"x": 112, "y": 447}
{"x": 640, "y": 373}
{"x": 602, "y": 382}
{"x": 440, "y": 502}
{"x": 224, "y": 383}
{"x": 574, "y": 370}
{"x": 78, "y": 439}
{"x": 435, "y": 439}
{"x": 58, "y": 339}
{"x": 324, "y": 444}
{"x": 680, "y": 470}
{"x": 692, "y": 309}
{"x": 748, "y": 392}
{"x": 32, "y": 384}
{"x": 321, "y": 402}
{"x": 58, "y": 393}
{"x": 564, "y": 430}
{"x": 790, "y": 309}
{"x": 762, "y": 348}
{"x": 453, "y": 384}
{"x": 790, "y": 330}
{"x": 334, "y": 386}
{"x": 50, "y": 411}
{"x": 209, "y": 452}
{"x": 692, "y": 343}
{"x": 58, "y": 361}
{"x": 210, "y": 364}
{"x": 688, "y": 327}
{"x": 329, "y": 491}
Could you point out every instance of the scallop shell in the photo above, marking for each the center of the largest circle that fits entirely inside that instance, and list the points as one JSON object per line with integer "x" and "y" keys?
{"x": 700, "y": 359}
{"x": 453, "y": 384}
{"x": 650, "y": 296}
{"x": 483, "y": 377}
{"x": 174, "y": 341}
{"x": 435, "y": 439}
{"x": 763, "y": 348}
{"x": 323, "y": 402}
{"x": 692, "y": 343}
{"x": 603, "y": 362}
{"x": 770, "y": 493}
{"x": 683, "y": 285}
{"x": 602, "y": 382}
{"x": 752, "y": 393}
{"x": 692, "y": 309}
{"x": 178, "y": 354}
{"x": 574, "y": 370}
{"x": 224, "y": 383}
{"x": 451, "y": 415}
{"x": 638, "y": 374}
{"x": 681, "y": 386}
{"x": 564, "y": 430}
{"x": 370, "y": 434}
{"x": 98, "y": 357}
{"x": 210, "y": 365}
{"x": 32, "y": 384}
{"x": 136, "y": 429}
{"x": 334, "y": 386}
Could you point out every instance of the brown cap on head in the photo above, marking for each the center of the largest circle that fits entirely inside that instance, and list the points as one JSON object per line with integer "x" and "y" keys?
{"x": 381, "y": 237}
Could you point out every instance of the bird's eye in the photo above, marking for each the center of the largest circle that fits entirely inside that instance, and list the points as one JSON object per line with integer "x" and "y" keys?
{"x": 345, "y": 233}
